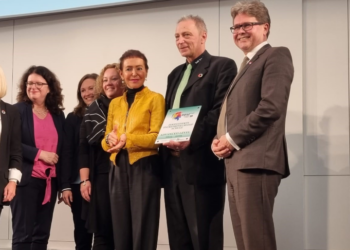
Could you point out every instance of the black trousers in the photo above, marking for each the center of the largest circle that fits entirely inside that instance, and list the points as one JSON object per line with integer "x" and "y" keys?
{"x": 135, "y": 202}
{"x": 194, "y": 214}
{"x": 100, "y": 218}
{"x": 82, "y": 237}
{"x": 31, "y": 221}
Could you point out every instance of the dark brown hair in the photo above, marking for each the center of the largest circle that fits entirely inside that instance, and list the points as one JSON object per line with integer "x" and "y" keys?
{"x": 79, "y": 110}
{"x": 132, "y": 54}
{"x": 54, "y": 99}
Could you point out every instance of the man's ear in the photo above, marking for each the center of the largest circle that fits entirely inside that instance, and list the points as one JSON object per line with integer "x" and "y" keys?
{"x": 204, "y": 36}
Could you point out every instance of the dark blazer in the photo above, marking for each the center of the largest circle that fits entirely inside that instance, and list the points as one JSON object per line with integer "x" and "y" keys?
{"x": 207, "y": 86}
{"x": 29, "y": 149}
{"x": 70, "y": 151}
{"x": 256, "y": 111}
{"x": 10, "y": 143}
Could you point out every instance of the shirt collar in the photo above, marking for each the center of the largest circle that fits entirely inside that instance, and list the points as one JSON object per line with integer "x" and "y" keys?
{"x": 252, "y": 53}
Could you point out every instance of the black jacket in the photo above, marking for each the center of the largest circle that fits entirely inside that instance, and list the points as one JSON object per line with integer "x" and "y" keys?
{"x": 207, "y": 86}
{"x": 29, "y": 149}
{"x": 10, "y": 143}
{"x": 70, "y": 151}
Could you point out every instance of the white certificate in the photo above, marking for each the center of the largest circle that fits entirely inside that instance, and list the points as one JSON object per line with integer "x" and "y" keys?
{"x": 178, "y": 124}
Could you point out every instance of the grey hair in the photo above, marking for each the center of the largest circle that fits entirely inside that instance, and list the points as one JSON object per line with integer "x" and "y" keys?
{"x": 199, "y": 22}
{"x": 255, "y": 9}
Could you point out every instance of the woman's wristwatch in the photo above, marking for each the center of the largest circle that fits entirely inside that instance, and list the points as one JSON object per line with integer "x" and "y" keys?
{"x": 84, "y": 182}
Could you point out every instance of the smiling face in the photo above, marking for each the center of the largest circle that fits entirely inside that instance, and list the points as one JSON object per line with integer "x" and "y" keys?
{"x": 37, "y": 94}
{"x": 134, "y": 72}
{"x": 189, "y": 40}
{"x": 87, "y": 91}
{"x": 248, "y": 40}
{"x": 112, "y": 86}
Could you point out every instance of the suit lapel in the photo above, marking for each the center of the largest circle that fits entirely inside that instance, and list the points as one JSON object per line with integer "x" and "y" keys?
{"x": 242, "y": 72}
{"x": 199, "y": 71}
{"x": 56, "y": 121}
{"x": 30, "y": 121}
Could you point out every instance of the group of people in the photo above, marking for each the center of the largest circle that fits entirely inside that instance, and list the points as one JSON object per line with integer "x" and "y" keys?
{"x": 102, "y": 160}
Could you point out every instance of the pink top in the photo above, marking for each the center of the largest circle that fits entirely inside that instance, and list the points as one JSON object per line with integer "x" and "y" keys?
{"x": 46, "y": 138}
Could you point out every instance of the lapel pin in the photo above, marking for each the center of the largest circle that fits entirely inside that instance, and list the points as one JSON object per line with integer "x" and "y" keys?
{"x": 200, "y": 75}
{"x": 3, "y": 111}
{"x": 250, "y": 62}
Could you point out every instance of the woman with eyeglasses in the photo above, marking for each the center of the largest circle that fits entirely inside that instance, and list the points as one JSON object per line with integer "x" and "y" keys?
{"x": 41, "y": 110}
{"x": 94, "y": 162}
{"x": 10, "y": 147}
{"x": 70, "y": 160}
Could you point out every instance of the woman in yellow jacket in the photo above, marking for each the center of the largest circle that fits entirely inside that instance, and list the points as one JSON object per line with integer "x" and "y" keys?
{"x": 133, "y": 124}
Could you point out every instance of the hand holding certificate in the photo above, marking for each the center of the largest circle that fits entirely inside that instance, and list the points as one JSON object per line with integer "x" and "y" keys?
{"x": 178, "y": 124}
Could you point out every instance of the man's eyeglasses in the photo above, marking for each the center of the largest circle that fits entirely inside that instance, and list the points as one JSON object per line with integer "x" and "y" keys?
{"x": 37, "y": 84}
{"x": 245, "y": 26}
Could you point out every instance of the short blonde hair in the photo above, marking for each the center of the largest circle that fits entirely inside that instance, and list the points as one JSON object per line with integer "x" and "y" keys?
{"x": 3, "y": 86}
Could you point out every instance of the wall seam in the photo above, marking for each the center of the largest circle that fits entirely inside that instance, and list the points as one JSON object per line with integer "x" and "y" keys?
{"x": 219, "y": 31}
{"x": 13, "y": 56}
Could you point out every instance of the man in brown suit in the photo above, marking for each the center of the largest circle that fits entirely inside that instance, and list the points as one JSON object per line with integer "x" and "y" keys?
{"x": 251, "y": 128}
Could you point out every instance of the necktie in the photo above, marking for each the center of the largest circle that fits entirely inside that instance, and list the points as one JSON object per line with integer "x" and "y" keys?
{"x": 182, "y": 86}
{"x": 221, "y": 128}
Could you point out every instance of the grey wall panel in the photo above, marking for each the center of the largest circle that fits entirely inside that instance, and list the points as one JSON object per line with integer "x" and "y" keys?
{"x": 327, "y": 207}
{"x": 6, "y": 51}
{"x": 326, "y": 86}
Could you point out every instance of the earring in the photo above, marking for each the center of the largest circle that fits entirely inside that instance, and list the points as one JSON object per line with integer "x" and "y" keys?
{"x": 123, "y": 81}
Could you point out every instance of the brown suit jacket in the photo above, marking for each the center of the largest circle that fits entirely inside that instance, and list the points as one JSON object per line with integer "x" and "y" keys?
{"x": 256, "y": 111}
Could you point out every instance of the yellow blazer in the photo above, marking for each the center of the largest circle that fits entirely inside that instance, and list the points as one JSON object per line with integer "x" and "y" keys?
{"x": 141, "y": 124}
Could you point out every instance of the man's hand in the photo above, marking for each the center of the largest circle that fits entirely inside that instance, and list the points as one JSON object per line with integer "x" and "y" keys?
{"x": 177, "y": 146}
{"x": 67, "y": 196}
{"x": 221, "y": 147}
{"x": 9, "y": 191}
{"x": 85, "y": 190}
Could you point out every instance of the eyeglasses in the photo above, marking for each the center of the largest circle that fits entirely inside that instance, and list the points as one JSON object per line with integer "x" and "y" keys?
{"x": 245, "y": 26}
{"x": 37, "y": 84}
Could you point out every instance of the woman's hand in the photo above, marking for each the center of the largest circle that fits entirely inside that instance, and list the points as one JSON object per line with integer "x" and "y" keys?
{"x": 48, "y": 157}
{"x": 113, "y": 137}
{"x": 9, "y": 191}
{"x": 119, "y": 145}
{"x": 85, "y": 190}
{"x": 67, "y": 196}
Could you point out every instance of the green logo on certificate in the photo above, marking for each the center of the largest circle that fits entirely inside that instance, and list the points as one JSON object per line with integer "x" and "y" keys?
{"x": 178, "y": 124}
